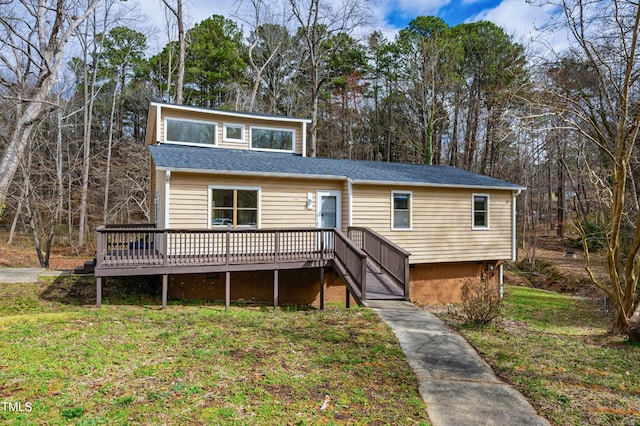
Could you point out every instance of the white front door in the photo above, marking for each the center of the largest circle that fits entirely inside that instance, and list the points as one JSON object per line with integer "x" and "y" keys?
{"x": 328, "y": 206}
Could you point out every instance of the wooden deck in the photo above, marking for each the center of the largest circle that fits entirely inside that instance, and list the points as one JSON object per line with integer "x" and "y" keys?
{"x": 371, "y": 266}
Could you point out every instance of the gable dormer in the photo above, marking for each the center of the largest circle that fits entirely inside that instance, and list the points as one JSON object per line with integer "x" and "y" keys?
{"x": 186, "y": 125}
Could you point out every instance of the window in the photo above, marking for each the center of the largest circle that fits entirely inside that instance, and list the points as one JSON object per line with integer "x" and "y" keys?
{"x": 480, "y": 213}
{"x": 234, "y": 207}
{"x": 233, "y": 133}
{"x": 401, "y": 206}
{"x": 272, "y": 139}
{"x": 190, "y": 131}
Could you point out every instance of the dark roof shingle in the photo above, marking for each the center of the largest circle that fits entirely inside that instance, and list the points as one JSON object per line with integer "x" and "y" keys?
{"x": 182, "y": 157}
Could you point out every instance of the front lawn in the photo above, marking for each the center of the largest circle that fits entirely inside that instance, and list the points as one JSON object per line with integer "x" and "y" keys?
{"x": 555, "y": 349}
{"x": 130, "y": 363}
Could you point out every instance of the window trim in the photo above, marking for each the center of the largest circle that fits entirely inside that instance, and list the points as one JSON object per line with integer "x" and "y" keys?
{"x": 242, "y": 128}
{"x": 393, "y": 209}
{"x": 166, "y": 133}
{"x": 210, "y": 189}
{"x": 473, "y": 212}
{"x": 293, "y": 139}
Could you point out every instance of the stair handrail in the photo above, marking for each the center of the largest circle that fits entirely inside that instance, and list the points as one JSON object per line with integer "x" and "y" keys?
{"x": 353, "y": 260}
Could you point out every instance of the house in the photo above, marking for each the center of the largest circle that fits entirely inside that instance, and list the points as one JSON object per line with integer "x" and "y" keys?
{"x": 242, "y": 213}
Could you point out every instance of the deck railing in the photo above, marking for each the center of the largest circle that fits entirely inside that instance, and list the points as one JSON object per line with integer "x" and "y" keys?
{"x": 388, "y": 255}
{"x": 353, "y": 261}
{"x": 119, "y": 247}
{"x": 127, "y": 246}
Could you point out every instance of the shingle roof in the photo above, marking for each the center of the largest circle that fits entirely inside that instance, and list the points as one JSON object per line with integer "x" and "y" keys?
{"x": 203, "y": 159}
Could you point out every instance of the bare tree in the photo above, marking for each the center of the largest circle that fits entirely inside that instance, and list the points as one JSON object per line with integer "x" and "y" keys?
{"x": 319, "y": 20}
{"x": 601, "y": 102}
{"x": 264, "y": 43}
{"x": 177, "y": 12}
{"x": 33, "y": 38}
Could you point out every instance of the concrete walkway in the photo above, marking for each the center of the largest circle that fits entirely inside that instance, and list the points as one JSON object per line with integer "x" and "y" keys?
{"x": 27, "y": 275}
{"x": 20, "y": 275}
{"x": 458, "y": 387}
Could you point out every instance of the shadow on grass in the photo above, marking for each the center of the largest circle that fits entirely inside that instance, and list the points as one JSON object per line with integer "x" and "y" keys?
{"x": 80, "y": 290}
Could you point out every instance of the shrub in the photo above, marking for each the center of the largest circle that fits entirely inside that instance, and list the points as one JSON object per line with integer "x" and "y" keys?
{"x": 593, "y": 234}
{"x": 481, "y": 301}
{"x": 72, "y": 412}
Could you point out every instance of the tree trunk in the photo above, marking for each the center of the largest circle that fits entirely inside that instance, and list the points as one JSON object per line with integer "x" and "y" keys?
{"x": 561, "y": 196}
{"x": 51, "y": 45}
{"x": 181, "y": 53}
{"x": 18, "y": 142}
{"x": 453, "y": 150}
{"x": 634, "y": 325}
{"x": 107, "y": 176}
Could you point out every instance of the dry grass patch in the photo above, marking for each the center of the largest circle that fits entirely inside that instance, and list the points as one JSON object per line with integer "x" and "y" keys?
{"x": 132, "y": 363}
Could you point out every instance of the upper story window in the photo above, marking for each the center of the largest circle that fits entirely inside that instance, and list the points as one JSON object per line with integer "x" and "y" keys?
{"x": 401, "y": 210}
{"x": 233, "y": 133}
{"x": 180, "y": 130}
{"x": 480, "y": 211}
{"x": 268, "y": 139}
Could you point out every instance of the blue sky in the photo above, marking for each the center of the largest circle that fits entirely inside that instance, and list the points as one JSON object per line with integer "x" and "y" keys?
{"x": 518, "y": 18}
{"x": 453, "y": 13}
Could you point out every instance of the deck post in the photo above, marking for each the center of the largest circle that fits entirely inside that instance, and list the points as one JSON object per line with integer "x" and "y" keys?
{"x": 101, "y": 246}
{"x": 363, "y": 274}
{"x": 322, "y": 288}
{"x": 275, "y": 290}
{"x": 227, "y": 252}
{"x": 347, "y": 303}
{"x": 165, "y": 247}
{"x": 227, "y": 291}
{"x": 99, "y": 292}
{"x": 165, "y": 287}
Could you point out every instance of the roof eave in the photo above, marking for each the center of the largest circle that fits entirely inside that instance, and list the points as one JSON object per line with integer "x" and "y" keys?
{"x": 439, "y": 185}
{"x": 229, "y": 113}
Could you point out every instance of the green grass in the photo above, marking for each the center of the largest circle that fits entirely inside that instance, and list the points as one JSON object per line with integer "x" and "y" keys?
{"x": 555, "y": 349}
{"x": 130, "y": 363}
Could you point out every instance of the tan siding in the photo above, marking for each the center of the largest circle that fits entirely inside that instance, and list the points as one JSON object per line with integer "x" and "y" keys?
{"x": 283, "y": 201}
{"x": 221, "y": 120}
{"x": 441, "y": 223}
{"x": 441, "y": 218}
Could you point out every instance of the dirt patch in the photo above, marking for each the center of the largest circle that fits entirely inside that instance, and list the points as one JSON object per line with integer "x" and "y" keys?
{"x": 559, "y": 269}
{"x": 62, "y": 258}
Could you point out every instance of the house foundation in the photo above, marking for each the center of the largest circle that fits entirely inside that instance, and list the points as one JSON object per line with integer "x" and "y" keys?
{"x": 433, "y": 283}
{"x": 296, "y": 287}
{"x": 436, "y": 283}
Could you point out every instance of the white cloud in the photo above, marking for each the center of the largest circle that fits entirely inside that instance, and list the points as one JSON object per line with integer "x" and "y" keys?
{"x": 529, "y": 24}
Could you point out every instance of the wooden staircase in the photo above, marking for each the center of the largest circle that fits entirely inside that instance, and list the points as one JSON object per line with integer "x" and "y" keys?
{"x": 89, "y": 267}
{"x": 380, "y": 286}
{"x": 373, "y": 267}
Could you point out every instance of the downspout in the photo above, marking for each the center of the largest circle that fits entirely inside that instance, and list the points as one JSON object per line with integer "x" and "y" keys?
{"x": 349, "y": 202}
{"x": 167, "y": 186}
{"x": 513, "y": 226}
{"x": 501, "y": 278}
